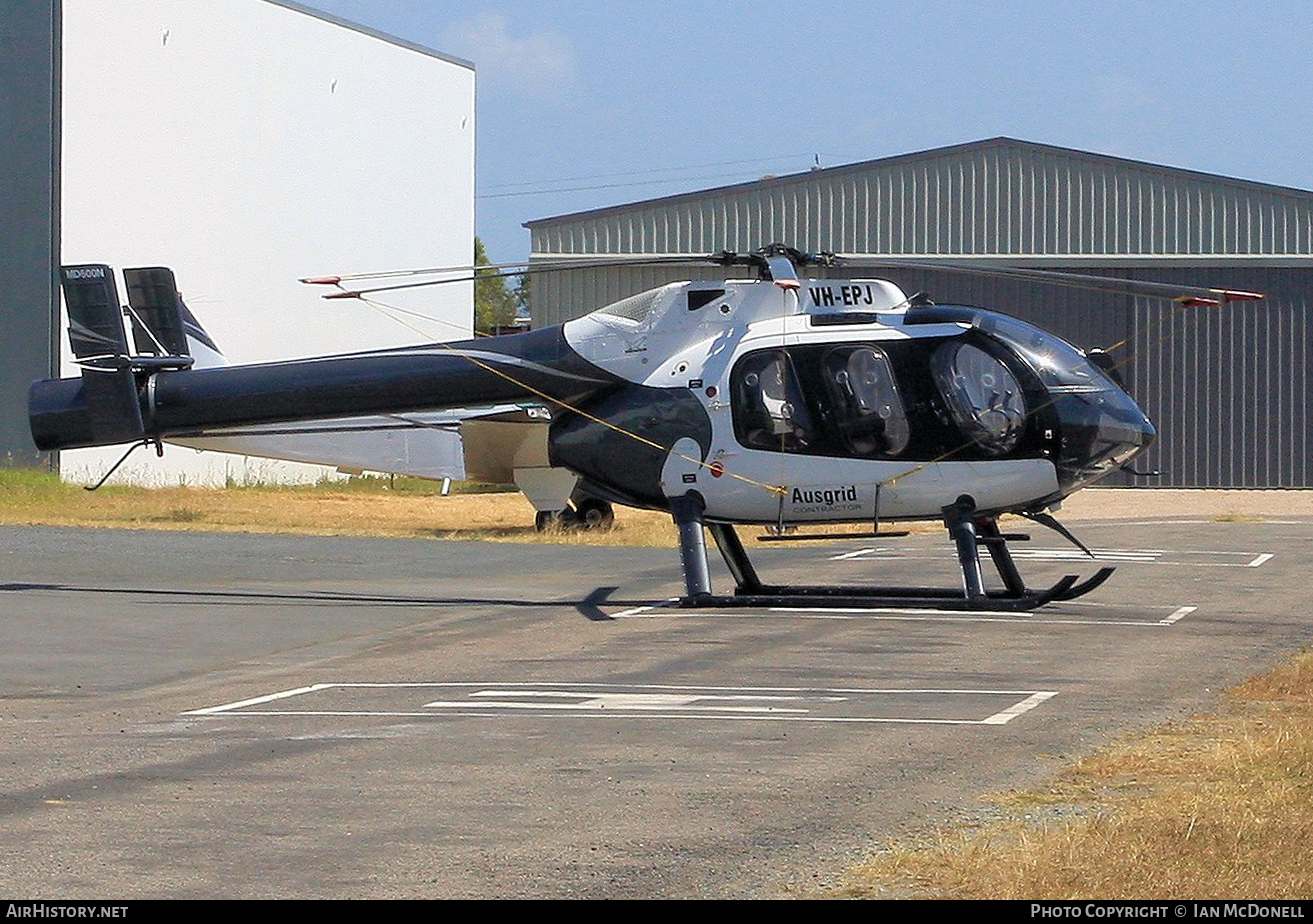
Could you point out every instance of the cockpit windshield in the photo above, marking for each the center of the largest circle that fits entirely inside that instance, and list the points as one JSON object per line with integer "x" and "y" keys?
{"x": 1060, "y": 366}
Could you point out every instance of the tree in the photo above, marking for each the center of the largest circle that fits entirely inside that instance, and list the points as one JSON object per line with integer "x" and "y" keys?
{"x": 523, "y": 292}
{"x": 493, "y": 302}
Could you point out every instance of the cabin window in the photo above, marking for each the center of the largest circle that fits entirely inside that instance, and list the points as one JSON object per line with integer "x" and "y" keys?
{"x": 771, "y": 411}
{"x": 982, "y": 395}
{"x": 868, "y": 410}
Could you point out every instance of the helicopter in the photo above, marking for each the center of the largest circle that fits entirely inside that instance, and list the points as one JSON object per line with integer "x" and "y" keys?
{"x": 776, "y": 400}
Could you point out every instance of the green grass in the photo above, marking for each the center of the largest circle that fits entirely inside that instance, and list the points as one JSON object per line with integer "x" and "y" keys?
{"x": 31, "y": 484}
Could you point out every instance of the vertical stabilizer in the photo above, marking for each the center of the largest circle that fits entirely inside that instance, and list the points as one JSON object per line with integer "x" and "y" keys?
{"x": 95, "y": 332}
{"x": 156, "y": 316}
{"x": 158, "y": 310}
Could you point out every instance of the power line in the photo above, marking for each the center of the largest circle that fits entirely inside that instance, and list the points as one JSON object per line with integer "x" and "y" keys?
{"x": 604, "y": 176}
{"x": 738, "y": 175}
{"x": 566, "y": 189}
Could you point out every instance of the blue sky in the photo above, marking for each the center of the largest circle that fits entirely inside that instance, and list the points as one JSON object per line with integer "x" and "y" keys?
{"x": 582, "y": 105}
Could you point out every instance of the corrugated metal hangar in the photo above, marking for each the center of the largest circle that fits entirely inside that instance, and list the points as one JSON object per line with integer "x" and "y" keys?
{"x": 1227, "y": 388}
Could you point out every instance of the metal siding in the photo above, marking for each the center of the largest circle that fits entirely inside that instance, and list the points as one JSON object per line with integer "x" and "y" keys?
{"x": 29, "y": 214}
{"x": 1228, "y": 388}
{"x": 1005, "y": 198}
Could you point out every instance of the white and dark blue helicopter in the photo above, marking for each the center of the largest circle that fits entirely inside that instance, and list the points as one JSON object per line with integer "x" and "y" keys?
{"x": 777, "y": 400}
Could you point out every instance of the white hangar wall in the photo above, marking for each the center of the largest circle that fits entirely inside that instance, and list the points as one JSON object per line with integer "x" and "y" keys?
{"x": 246, "y": 143}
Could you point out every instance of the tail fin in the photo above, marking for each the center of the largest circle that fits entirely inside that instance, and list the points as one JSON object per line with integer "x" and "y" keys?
{"x": 95, "y": 331}
{"x": 95, "y": 326}
{"x": 159, "y": 314}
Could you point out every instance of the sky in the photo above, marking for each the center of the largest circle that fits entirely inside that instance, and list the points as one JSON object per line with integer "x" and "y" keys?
{"x": 584, "y": 105}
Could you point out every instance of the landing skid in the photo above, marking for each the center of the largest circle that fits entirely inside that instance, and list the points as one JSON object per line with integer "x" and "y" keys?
{"x": 797, "y": 597}
{"x": 968, "y": 530}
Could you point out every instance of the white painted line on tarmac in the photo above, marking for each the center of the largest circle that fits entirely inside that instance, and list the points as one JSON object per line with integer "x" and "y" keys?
{"x": 639, "y": 610}
{"x": 856, "y": 554}
{"x": 770, "y": 717}
{"x": 592, "y": 706}
{"x": 1123, "y": 556}
{"x": 260, "y": 699}
{"x": 1211, "y": 564}
{"x": 896, "y": 614}
{"x": 618, "y": 701}
{"x": 1027, "y": 704}
{"x": 1207, "y": 552}
{"x": 1177, "y": 615}
{"x": 642, "y": 700}
{"x": 592, "y": 700}
{"x": 1105, "y": 605}
{"x": 1126, "y": 555}
{"x": 572, "y": 685}
{"x": 875, "y": 553}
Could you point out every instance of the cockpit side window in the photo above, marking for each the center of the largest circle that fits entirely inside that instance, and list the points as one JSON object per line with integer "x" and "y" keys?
{"x": 869, "y": 413}
{"x": 770, "y": 410}
{"x": 983, "y": 395}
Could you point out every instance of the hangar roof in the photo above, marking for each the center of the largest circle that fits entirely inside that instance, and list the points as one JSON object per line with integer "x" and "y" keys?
{"x": 1000, "y": 196}
{"x": 366, "y": 30}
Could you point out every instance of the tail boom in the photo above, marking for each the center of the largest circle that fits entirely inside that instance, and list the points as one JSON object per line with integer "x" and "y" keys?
{"x": 538, "y": 365}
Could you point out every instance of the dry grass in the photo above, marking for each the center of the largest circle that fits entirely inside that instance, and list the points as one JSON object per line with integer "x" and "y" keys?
{"x": 342, "y": 509}
{"x": 372, "y": 507}
{"x": 1218, "y": 807}
{"x": 414, "y": 508}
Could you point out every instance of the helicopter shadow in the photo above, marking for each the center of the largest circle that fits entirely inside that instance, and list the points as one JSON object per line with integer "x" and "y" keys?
{"x": 590, "y": 606}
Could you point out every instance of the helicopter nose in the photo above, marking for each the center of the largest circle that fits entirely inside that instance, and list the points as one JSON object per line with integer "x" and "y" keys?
{"x": 1099, "y": 426}
{"x": 1102, "y": 429}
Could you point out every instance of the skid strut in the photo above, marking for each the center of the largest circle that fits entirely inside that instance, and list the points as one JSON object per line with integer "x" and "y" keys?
{"x": 967, "y": 529}
{"x": 687, "y": 512}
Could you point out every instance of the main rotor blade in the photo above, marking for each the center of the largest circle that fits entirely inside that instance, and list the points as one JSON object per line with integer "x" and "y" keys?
{"x": 783, "y": 272}
{"x": 573, "y": 262}
{"x": 393, "y": 274}
{"x": 781, "y": 266}
{"x": 539, "y": 266}
{"x": 1185, "y": 294}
